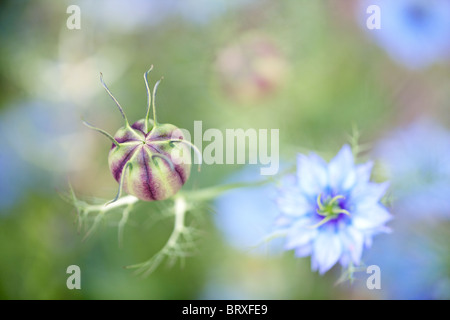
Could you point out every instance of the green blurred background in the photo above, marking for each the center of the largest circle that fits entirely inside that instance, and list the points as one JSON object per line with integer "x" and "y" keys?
{"x": 305, "y": 67}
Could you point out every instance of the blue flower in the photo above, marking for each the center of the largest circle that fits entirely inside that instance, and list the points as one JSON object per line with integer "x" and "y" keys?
{"x": 412, "y": 266}
{"x": 415, "y": 33}
{"x": 331, "y": 211}
{"x": 53, "y": 149}
{"x": 417, "y": 159}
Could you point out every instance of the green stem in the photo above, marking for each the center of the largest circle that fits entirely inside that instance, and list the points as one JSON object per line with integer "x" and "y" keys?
{"x": 212, "y": 192}
{"x": 123, "y": 221}
{"x": 179, "y": 228}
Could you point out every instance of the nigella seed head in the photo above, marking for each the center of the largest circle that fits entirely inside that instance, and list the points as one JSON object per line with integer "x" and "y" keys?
{"x": 141, "y": 155}
{"x": 152, "y": 175}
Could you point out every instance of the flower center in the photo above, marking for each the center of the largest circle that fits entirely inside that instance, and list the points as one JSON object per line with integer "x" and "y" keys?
{"x": 329, "y": 209}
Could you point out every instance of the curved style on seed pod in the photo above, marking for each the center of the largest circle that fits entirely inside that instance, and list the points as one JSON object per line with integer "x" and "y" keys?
{"x": 142, "y": 156}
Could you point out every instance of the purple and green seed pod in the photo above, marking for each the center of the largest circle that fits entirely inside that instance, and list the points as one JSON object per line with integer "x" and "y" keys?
{"x": 147, "y": 158}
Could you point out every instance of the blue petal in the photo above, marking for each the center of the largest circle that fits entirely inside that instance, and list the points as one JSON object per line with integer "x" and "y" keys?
{"x": 369, "y": 217}
{"x": 291, "y": 200}
{"x": 368, "y": 234}
{"x": 294, "y": 204}
{"x": 341, "y": 169}
{"x": 312, "y": 174}
{"x": 363, "y": 172}
{"x": 300, "y": 235}
{"x": 353, "y": 243}
{"x": 368, "y": 194}
{"x": 327, "y": 249}
{"x": 349, "y": 181}
{"x": 282, "y": 221}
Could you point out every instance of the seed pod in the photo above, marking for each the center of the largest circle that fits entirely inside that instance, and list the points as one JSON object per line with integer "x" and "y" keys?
{"x": 141, "y": 155}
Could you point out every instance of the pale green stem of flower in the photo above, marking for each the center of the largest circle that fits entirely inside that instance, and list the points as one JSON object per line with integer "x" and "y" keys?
{"x": 102, "y": 210}
{"x": 354, "y": 141}
{"x": 122, "y": 223}
{"x": 181, "y": 241}
{"x": 84, "y": 210}
{"x": 210, "y": 193}
{"x": 173, "y": 247}
{"x": 348, "y": 273}
{"x": 126, "y": 200}
{"x": 270, "y": 237}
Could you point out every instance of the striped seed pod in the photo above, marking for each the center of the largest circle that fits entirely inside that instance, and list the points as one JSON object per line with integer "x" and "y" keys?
{"x": 141, "y": 158}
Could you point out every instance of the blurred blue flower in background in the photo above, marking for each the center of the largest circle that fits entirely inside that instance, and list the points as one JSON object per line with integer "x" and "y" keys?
{"x": 245, "y": 216}
{"x": 418, "y": 162}
{"x": 15, "y": 177}
{"x": 413, "y": 266}
{"x": 39, "y": 142}
{"x": 331, "y": 211}
{"x": 415, "y": 33}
